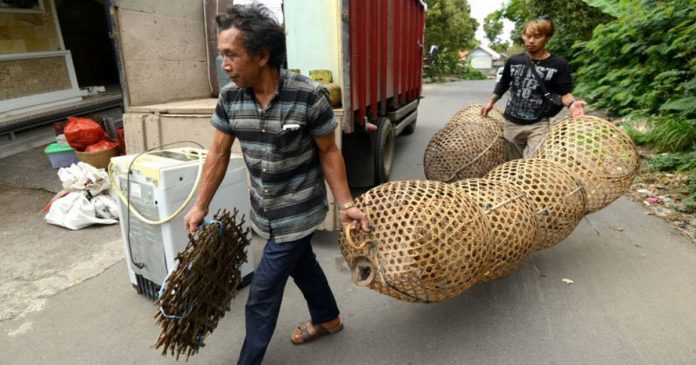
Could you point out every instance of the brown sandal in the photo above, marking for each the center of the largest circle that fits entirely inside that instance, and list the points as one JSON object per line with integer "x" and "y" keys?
{"x": 319, "y": 331}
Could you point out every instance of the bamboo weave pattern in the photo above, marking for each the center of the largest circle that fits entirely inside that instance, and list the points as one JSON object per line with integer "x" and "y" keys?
{"x": 511, "y": 219}
{"x": 472, "y": 114}
{"x": 428, "y": 241}
{"x": 468, "y": 146}
{"x": 559, "y": 199}
{"x": 597, "y": 153}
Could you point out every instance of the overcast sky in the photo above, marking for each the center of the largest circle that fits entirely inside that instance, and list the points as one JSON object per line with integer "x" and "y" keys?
{"x": 481, "y": 8}
{"x": 273, "y": 5}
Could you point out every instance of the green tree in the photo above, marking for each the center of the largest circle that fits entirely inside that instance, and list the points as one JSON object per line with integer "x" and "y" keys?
{"x": 449, "y": 25}
{"x": 500, "y": 47}
{"x": 493, "y": 27}
{"x": 517, "y": 11}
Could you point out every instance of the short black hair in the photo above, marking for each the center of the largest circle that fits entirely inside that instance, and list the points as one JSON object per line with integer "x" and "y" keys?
{"x": 260, "y": 30}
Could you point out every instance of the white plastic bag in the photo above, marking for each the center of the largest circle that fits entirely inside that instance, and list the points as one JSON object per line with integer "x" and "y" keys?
{"x": 82, "y": 176}
{"x": 75, "y": 211}
{"x": 105, "y": 206}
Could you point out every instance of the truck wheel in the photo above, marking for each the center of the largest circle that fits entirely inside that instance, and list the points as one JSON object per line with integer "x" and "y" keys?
{"x": 383, "y": 142}
{"x": 410, "y": 129}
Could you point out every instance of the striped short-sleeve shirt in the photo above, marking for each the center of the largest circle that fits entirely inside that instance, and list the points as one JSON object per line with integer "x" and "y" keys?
{"x": 288, "y": 193}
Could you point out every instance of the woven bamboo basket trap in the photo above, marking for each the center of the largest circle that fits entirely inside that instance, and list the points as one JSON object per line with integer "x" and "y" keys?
{"x": 559, "y": 198}
{"x": 472, "y": 114}
{"x": 468, "y": 147}
{"x": 598, "y": 154}
{"x": 511, "y": 218}
{"x": 428, "y": 241}
{"x": 196, "y": 295}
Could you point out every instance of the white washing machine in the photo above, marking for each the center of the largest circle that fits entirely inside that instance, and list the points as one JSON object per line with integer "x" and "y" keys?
{"x": 159, "y": 183}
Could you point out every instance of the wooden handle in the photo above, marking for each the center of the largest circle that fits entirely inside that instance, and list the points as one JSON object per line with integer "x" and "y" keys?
{"x": 346, "y": 232}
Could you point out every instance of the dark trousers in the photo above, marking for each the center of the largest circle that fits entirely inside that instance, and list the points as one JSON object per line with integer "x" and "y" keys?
{"x": 280, "y": 260}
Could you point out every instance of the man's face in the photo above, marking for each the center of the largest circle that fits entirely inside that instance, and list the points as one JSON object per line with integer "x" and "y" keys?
{"x": 242, "y": 67}
{"x": 533, "y": 40}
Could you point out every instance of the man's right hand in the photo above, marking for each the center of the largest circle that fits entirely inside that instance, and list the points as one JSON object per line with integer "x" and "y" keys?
{"x": 194, "y": 218}
{"x": 487, "y": 108}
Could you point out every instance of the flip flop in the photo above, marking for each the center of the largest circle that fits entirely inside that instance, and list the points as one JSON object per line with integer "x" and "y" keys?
{"x": 319, "y": 331}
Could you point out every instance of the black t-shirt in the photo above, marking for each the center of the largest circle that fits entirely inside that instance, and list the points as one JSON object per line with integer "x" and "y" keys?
{"x": 526, "y": 97}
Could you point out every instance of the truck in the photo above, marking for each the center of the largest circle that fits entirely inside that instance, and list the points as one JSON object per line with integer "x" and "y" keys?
{"x": 373, "y": 50}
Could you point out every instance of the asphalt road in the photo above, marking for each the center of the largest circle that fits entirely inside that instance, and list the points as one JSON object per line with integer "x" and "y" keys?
{"x": 631, "y": 302}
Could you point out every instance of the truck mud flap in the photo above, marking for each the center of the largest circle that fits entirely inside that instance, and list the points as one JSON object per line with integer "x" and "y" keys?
{"x": 359, "y": 159}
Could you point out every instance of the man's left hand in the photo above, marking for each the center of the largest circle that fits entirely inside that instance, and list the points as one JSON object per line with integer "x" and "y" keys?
{"x": 577, "y": 108}
{"x": 354, "y": 216}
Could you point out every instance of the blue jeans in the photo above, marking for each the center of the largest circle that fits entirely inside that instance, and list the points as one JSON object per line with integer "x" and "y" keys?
{"x": 280, "y": 260}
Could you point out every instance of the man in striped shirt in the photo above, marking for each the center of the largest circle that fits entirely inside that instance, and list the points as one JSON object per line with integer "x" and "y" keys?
{"x": 285, "y": 125}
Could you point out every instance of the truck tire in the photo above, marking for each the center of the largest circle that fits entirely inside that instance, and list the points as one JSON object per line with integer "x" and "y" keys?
{"x": 383, "y": 143}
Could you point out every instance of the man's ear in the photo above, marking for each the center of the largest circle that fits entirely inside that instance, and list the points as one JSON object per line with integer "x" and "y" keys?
{"x": 264, "y": 57}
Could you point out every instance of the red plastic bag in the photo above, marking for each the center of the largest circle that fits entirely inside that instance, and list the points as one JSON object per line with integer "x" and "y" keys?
{"x": 82, "y": 132}
{"x": 101, "y": 146}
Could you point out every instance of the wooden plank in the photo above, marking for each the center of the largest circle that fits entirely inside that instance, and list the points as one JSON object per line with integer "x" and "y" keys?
{"x": 195, "y": 106}
{"x": 153, "y": 81}
{"x": 183, "y": 9}
{"x": 133, "y": 132}
{"x": 163, "y": 57}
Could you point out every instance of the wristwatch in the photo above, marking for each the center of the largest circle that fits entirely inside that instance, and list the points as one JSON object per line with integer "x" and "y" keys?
{"x": 345, "y": 206}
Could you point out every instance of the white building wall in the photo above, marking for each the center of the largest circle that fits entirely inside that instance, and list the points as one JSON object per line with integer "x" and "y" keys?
{"x": 481, "y": 60}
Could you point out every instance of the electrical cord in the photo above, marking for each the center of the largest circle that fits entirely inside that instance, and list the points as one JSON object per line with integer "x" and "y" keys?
{"x": 126, "y": 198}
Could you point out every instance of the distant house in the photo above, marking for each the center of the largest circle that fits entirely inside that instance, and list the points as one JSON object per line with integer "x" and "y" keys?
{"x": 484, "y": 59}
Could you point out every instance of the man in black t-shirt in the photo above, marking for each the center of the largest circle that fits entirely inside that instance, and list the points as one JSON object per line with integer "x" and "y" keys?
{"x": 525, "y": 126}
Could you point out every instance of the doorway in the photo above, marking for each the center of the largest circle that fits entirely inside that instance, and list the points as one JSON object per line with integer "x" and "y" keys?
{"x": 85, "y": 31}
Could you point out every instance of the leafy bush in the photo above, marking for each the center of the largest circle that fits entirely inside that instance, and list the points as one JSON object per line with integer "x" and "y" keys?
{"x": 664, "y": 133}
{"x": 444, "y": 64}
{"x": 683, "y": 161}
{"x": 639, "y": 130}
{"x": 467, "y": 72}
{"x": 642, "y": 64}
{"x": 473, "y": 75}
{"x": 690, "y": 201}
{"x": 447, "y": 63}
{"x": 673, "y": 134}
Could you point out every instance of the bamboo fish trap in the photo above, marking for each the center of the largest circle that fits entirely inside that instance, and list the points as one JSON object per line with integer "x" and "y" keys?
{"x": 559, "y": 199}
{"x": 472, "y": 114}
{"x": 511, "y": 219}
{"x": 464, "y": 149}
{"x": 597, "y": 153}
{"x": 431, "y": 241}
{"x": 428, "y": 241}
